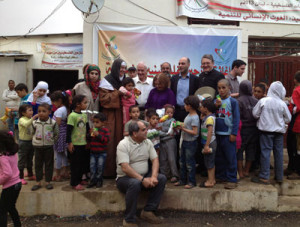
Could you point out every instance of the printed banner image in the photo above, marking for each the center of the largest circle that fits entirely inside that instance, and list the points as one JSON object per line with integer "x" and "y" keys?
{"x": 62, "y": 55}
{"x": 275, "y": 11}
{"x": 156, "y": 45}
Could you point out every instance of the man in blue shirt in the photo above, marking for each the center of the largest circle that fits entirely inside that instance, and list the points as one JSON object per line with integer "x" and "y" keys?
{"x": 183, "y": 85}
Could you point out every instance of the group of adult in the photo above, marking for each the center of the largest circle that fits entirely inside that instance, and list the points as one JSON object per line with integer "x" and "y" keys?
{"x": 135, "y": 150}
{"x": 103, "y": 93}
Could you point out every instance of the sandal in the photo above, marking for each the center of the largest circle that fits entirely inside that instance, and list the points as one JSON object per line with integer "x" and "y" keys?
{"x": 259, "y": 181}
{"x": 202, "y": 185}
{"x": 57, "y": 178}
{"x": 293, "y": 176}
{"x": 174, "y": 180}
{"x": 79, "y": 187}
{"x": 179, "y": 183}
{"x": 189, "y": 186}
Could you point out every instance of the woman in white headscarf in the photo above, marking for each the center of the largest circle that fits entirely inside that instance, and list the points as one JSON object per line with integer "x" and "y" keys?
{"x": 39, "y": 96}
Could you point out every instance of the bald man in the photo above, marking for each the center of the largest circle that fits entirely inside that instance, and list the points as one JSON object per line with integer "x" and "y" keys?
{"x": 144, "y": 84}
{"x": 183, "y": 85}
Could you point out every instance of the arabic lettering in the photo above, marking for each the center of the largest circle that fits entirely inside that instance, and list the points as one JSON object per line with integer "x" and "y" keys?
{"x": 223, "y": 69}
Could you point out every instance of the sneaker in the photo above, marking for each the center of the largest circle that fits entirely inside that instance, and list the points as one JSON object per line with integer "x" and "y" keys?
{"x": 79, "y": 187}
{"x": 49, "y": 186}
{"x": 150, "y": 217}
{"x": 24, "y": 182}
{"x": 92, "y": 184}
{"x": 129, "y": 224}
{"x": 99, "y": 184}
{"x": 36, "y": 187}
{"x": 230, "y": 185}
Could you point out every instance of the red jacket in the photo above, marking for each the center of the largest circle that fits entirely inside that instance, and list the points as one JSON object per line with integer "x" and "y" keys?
{"x": 295, "y": 104}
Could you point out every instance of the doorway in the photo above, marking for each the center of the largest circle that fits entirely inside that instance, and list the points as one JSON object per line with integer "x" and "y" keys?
{"x": 274, "y": 60}
{"x": 56, "y": 79}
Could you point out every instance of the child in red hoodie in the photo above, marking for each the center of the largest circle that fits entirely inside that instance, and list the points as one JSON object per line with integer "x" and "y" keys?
{"x": 9, "y": 179}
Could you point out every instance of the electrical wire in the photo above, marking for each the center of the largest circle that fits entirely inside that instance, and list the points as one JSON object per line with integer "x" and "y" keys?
{"x": 85, "y": 20}
{"x": 153, "y": 13}
{"x": 39, "y": 25}
{"x": 131, "y": 15}
{"x": 294, "y": 33}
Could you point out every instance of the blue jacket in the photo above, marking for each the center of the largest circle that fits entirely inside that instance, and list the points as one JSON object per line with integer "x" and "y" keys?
{"x": 228, "y": 117}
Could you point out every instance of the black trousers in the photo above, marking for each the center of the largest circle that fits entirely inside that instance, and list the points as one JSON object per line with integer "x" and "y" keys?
{"x": 44, "y": 156}
{"x": 291, "y": 142}
{"x": 132, "y": 187}
{"x": 8, "y": 201}
{"x": 78, "y": 164}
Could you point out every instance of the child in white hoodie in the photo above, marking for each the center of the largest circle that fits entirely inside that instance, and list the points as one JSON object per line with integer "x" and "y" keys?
{"x": 273, "y": 116}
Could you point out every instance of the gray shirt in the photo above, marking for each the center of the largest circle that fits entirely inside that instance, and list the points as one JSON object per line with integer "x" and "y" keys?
{"x": 189, "y": 122}
{"x": 234, "y": 83}
{"x": 135, "y": 154}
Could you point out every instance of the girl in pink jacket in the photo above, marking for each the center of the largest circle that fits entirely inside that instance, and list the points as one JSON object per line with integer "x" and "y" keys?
{"x": 9, "y": 179}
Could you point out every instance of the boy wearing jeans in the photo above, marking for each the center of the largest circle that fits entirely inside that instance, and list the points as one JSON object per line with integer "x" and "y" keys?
{"x": 190, "y": 133}
{"x": 98, "y": 146}
{"x": 273, "y": 116}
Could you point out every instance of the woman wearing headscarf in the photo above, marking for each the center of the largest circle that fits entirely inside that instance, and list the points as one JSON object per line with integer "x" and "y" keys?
{"x": 39, "y": 96}
{"x": 90, "y": 88}
{"x": 110, "y": 99}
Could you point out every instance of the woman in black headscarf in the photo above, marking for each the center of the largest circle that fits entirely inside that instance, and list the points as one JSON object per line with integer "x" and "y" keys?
{"x": 110, "y": 101}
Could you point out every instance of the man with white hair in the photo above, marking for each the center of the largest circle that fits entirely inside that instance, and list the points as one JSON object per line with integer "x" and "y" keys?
{"x": 144, "y": 84}
{"x": 134, "y": 174}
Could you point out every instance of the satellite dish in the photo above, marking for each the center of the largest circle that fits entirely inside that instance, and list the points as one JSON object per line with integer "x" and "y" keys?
{"x": 88, "y": 7}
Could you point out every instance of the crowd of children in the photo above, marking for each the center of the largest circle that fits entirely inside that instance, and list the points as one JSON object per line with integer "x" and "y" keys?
{"x": 228, "y": 128}
{"x": 57, "y": 126}
{"x": 55, "y": 132}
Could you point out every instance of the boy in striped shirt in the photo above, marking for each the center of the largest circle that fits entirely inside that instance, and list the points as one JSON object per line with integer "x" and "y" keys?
{"x": 98, "y": 145}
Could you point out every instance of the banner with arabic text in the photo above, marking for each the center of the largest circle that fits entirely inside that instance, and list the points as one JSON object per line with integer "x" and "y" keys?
{"x": 275, "y": 11}
{"x": 62, "y": 55}
{"x": 156, "y": 44}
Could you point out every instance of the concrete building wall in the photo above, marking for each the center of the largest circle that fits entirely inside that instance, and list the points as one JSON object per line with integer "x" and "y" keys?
{"x": 163, "y": 13}
{"x": 21, "y": 72}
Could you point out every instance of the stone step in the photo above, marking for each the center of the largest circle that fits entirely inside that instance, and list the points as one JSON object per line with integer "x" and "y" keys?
{"x": 288, "y": 203}
{"x": 289, "y": 188}
{"x": 64, "y": 201}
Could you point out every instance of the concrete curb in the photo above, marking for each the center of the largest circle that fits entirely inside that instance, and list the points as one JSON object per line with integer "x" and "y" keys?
{"x": 64, "y": 201}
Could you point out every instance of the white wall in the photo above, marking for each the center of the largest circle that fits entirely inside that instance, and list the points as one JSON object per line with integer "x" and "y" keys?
{"x": 19, "y": 16}
{"x": 163, "y": 13}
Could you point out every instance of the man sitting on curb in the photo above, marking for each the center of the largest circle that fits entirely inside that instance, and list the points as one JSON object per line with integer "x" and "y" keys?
{"x": 134, "y": 174}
